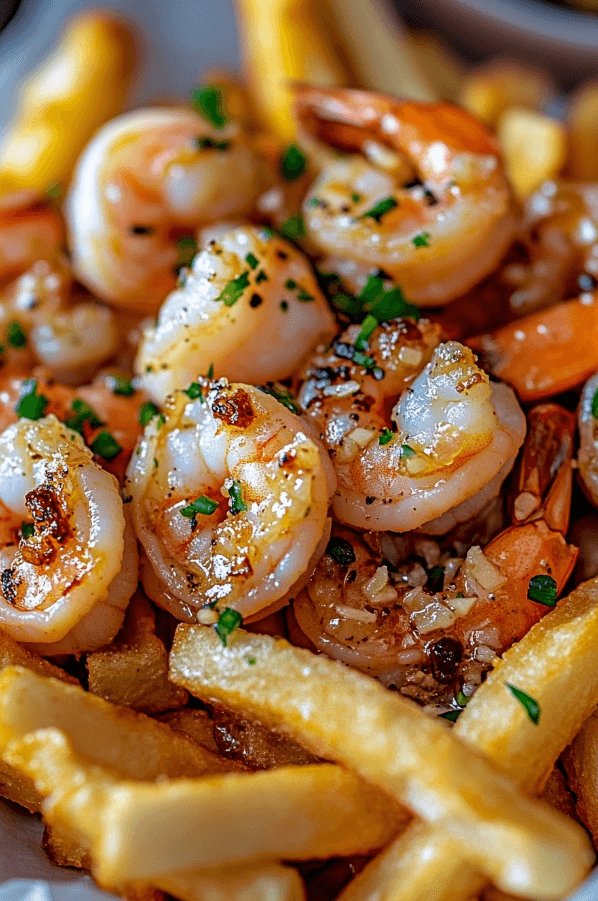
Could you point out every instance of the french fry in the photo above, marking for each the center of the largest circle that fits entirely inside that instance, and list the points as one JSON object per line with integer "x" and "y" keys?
{"x": 76, "y": 793}
{"x": 557, "y": 664}
{"x": 581, "y": 763}
{"x": 344, "y": 715}
{"x": 286, "y": 40}
{"x": 80, "y": 87}
{"x": 133, "y": 671}
{"x": 196, "y": 724}
{"x": 534, "y": 148}
{"x": 582, "y": 125}
{"x": 495, "y": 87}
{"x": 442, "y": 67}
{"x": 133, "y": 744}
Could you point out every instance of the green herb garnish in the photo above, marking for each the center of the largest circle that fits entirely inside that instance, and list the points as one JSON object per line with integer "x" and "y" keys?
{"x": 234, "y": 290}
{"x": 451, "y": 715}
{"x": 543, "y": 590}
{"x": 15, "y": 335}
{"x": 341, "y": 551}
{"x": 385, "y": 436}
{"x": 380, "y": 209}
{"x": 251, "y": 260}
{"x": 27, "y": 529}
{"x": 282, "y": 395}
{"x": 422, "y": 240}
{"x": 293, "y": 163}
{"x": 210, "y": 372}
{"x": 31, "y": 405}
{"x": 82, "y": 413}
{"x": 228, "y": 622}
{"x": 407, "y": 451}
{"x": 207, "y": 101}
{"x": 462, "y": 699}
{"x": 595, "y": 404}
{"x": 294, "y": 228}
{"x": 303, "y": 296}
{"x": 106, "y": 446}
{"x": 193, "y": 391}
{"x": 356, "y": 198}
{"x": 54, "y": 191}
{"x": 202, "y": 504}
{"x": 368, "y": 326}
{"x": 147, "y": 411}
{"x": 529, "y": 704}
{"x": 187, "y": 248}
{"x": 211, "y": 144}
{"x": 120, "y": 385}
{"x": 235, "y": 493}
{"x": 251, "y": 661}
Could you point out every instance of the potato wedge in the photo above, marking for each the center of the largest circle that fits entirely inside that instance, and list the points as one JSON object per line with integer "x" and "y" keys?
{"x": 133, "y": 744}
{"x": 344, "y": 715}
{"x": 534, "y": 148}
{"x": 133, "y": 670}
{"x": 556, "y": 660}
{"x": 497, "y": 86}
{"x": 80, "y": 87}
{"x": 582, "y": 125}
{"x": 581, "y": 763}
{"x": 443, "y": 68}
{"x": 196, "y": 724}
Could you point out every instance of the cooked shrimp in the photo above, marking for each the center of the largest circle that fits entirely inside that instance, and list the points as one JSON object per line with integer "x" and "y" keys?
{"x": 91, "y": 410}
{"x": 426, "y": 200}
{"x": 587, "y": 458}
{"x": 70, "y": 335}
{"x": 230, "y": 501}
{"x": 417, "y": 435}
{"x": 30, "y": 229}
{"x": 250, "y": 308}
{"x": 147, "y": 178}
{"x": 56, "y": 569}
{"x": 432, "y": 632}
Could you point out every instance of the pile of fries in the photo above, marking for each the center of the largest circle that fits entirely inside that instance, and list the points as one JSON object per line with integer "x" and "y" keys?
{"x": 124, "y": 763}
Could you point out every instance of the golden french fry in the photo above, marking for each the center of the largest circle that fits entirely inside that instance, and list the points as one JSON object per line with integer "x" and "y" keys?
{"x": 493, "y": 88}
{"x": 196, "y": 724}
{"x": 581, "y": 763}
{"x": 556, "y": 663}
{"x": 344, "y": 715}
{"x": 76, "y": 793}
{"x": 379, "y": 50}
{"x": 286, "y": 40}
{"x": 133, "y": 744}
{"x": 80, "y": 87}
{"x": 534, "y": 148}
{"x": 443, "y": 68}
{"x": 133, "y": 670}
{"x": 582, "y": 125}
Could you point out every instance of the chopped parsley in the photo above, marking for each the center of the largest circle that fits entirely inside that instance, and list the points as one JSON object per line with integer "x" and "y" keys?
{"x": 251, "y": 661}
{"x": 120, "y": 385}
{"x": 284, "y": 305}
{"x": 193, "y": 391}
{"x": 451, "y": 715}
{"x": 147, "y": 411}
{"x": 31, "y": 404}
{"x": 202, "y": 504}
{"x": 207, "y": 101}
{"x": 282, "y": 395}
{"x": 462, "y": 700}
{"x": 210, "y": 372}
{"x": 27, "y": 529}
{"x": 106, "y": 446}
{"x": 235, "y": 493}
{"x": 211, "y": 144}
{"x": 368, "y": 326}
{"x": 422, "y": 240}
{"x": 543, "y": 590}
{"x": 303, "y": 296}
{"x": 595, "y": 404}
{"x": 385, "y": 436}
{"x": 187, "y": 248}
{"x": 261, "y": 277}
{"x": 380, "y": 209}
{"x": 347, "y": 304}
{"x": 15, "y": 335}
{"x": 54, "y": 191}
{"x": 341, "y": 551}
{"x": 385, "y": 304}
{"x": 294, "y": 228}
{"x": 435, "y": 579}
{"x": 355, "y": 197}
{"x": 234, "y": 291}
{"x": 293, "y": 163}
{"x": 407, "y": 451}
{"x": 251, "y": 260}
{"x": 291, "y": 284}
{"x": 228, "y": 622}
{"x": 529, "y": 704}
{"x": 82, "y": 413}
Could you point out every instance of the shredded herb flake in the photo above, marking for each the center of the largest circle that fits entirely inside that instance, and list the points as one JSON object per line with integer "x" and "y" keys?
{"x": 595, "y": 404}
{"x": 31, "y": 405}
{"x": 543, "y": 590}
{"x": 356, "y": 198}
{"x": 15, "y": 335}
{"x": 82, "y": 413}
{"x": 193, "y": 391}
{"x": 211, "y": 144}
{"x": 54, "y": 191}
{"x": 529, "y": 704}
{"x": 341, "y": 551}
{"x": 422, "y": 240}
{"x": 407, "y": 451}
{"x": 234, "y": 290}
{"x": 187, "y": 248}
{"x": 380, "y": 209}
{"x": 368, "y": 326}
{"x": 385, "y": 437}
{"x": 207, "y": 101}
{"x": 210, "y": 372}
{"x": 282, "y": 395}
{"x": 294, "y": 228}
{"x": 293, "y": 163}
{"x": 147, "y": 411}
{"x": 106, "y": 446}
{"x": 202, "y": 504}
{"x": 228, "y": 622}
{"x": 251, "y": 260}
{"x": 451, "y": 715}
{"x": 27, "y": 529}
{"x": 122, "y": 386}
{"x": 235, "y": 493}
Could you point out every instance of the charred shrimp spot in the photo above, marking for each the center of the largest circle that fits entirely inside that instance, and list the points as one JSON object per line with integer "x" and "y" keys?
{"x": 445, "y": 657}
{"x": 142, "y": 230}
{"x": 234, "y": 409}
{"x": 9, "y": 582}
{"x": 47, "y": 507}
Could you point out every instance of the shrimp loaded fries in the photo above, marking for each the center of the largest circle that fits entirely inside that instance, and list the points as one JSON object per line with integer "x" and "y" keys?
{"x": 291, "y": 435}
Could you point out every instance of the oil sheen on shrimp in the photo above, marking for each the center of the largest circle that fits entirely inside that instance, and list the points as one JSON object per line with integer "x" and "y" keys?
{"x": 250, "y": 308}
{"x": 68, "y": 568}
{"x": 418, "y": 436}
{"x": 145, "y": 179}
{"x": 426, "y": 198}
{"x": 230, "y": 498}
